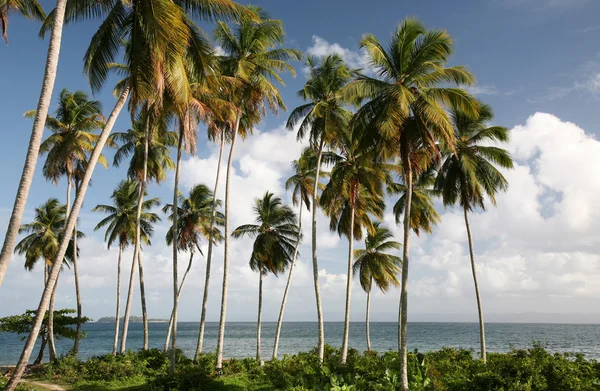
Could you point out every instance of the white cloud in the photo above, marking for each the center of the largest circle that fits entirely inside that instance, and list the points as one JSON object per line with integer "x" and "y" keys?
{"x": 355, "y": 59}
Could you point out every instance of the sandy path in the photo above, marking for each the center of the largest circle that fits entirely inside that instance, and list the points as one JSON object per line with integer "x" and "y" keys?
{"x": 52, "y": 387}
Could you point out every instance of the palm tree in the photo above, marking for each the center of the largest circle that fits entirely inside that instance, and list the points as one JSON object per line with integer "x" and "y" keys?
{"x": 276, "y": 235}
{"x": 34, "y": 145}
{"x": 72, "y": 140}
{"x": 121, "y": 227}
{"x": 413, "y": 82}
{"x": 45, "y": 233}
{"x": 354, "y": 194}
{"x": 323, "y": 117}
{"x": 373, "y": 264}
{"x": 195, "y": 222}
{"x": 468, "y": 175}
{"x": 30, "y": 9}
{"x": 301, "y": 183}
{"x": 147, "y": 142}
{"x": 251, "y": 57}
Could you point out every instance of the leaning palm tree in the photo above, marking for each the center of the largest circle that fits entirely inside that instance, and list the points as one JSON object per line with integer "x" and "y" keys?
{"x": 154, "y": 32}
{"x": 45, "y": 233}
{"x": 354, "y": 194}
{"x": 413, "y": 82}
{"x": 373, "y": 264}
{"x": 468, "y": 175}
{"x": 275, "y": 234}
{"x": 301, "y": 183}
{"x": 253, "y": 58}
{"x": 30, "y": 9}
{"x": 34, "y": 142}
{"x": 67, "y": 148}
{"x": 195, "y": 221}
{"x": 323, "y": 118}
{"x": 121, "y": 226}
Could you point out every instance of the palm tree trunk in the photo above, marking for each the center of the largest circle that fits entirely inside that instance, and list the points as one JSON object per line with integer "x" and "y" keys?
{"x": 367, "y": 321}
{"x": 40, "y": 356}
{"x": 175, "y": 278}
{"x": 221, "y": 336}
{"x": 474, "y": 269}
{"x": 51, "y": 343}
{"x": 187, "y": 271}
{"x": 34, "y": 143}
{"x": 287, "y": 287}
{"x": 138, "y": 219}
{"x": 315, "y": 264}
{"x": 77, "y": 294}
{"x": 258, "y": 322}
{"x": 118, "y": 312}
{"x": 62, "y": 249}
{"x": 348, "y": 287}
{"x": 209, "y": 255}
{"x": 128, "y": 304}
{"x": 403, "y": 315}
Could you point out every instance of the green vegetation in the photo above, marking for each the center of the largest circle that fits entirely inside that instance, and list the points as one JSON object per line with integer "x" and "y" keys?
{"x": 534, "y": 369}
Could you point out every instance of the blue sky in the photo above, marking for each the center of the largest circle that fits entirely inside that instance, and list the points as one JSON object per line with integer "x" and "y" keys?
{"x": 529, "y": 56}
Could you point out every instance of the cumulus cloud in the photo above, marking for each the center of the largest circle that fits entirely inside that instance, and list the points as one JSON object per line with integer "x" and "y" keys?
{"x": 536, "y": 251}
{"x": 355, "y": 59}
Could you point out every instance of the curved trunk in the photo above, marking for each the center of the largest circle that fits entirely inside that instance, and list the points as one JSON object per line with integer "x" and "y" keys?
{"x": 367, "y": 324}
{"x": 479, "y": 305}
{"x": 209, "y": 255}
{"x": 77, "y": 294}
{"x": 403, "y": 315}
{"x": 51, "y": 344}
{"x": 62, "y": 249}
{"x": 138, "y": 232}
{"x": 258, "y": 322}
{"x": 287, "y": 287}
{"x": 187, "y": 271}
{"x": 348, "y": 287}
{"x": 40, "y": 356}
{"x": 35, "y": 140}
{"x": 175, "y": 278}
{"x": 118, "y": 311}
{"x": 315, "y": 264}
{"x": 221, "y": 337}
{"x": 128, "y": 304}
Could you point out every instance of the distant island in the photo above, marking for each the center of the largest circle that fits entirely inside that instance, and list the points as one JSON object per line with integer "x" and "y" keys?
{"x": 132, "y": 319}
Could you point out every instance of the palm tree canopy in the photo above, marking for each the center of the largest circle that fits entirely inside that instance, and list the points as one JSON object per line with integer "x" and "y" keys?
{"x": 45, "y": 234}
{"x": 373, "y": 264}
{"x": 194, "y": 215}
{"x": 30, "y": 9}
{"x": 72, "y": 138}
{"x": 275, "y": 234}
{"x": 132, "y": 143}
{"x": 423, "y": 215}
{"x": 325, "y": 114}
{"x": 411, "y": 80}
{"x": 469, "y": 173}
{"x": 356, "y": 182}
{"x": 303, "y": 180}
{"x": 121, "y": 220}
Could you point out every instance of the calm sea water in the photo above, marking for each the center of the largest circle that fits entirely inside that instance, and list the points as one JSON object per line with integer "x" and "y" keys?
{"x": 240, "y": 338}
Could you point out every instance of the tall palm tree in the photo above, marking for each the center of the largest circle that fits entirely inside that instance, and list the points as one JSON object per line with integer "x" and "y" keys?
{"x": 32, "y": 150}
{"x": 121, "y": 226}
{"x": 469, "y": 175}
{"x": 67, "y": 148}
{"x": 147, "y": 142}
{"x": 373, "y": 264}
{"x": 354, "y": 194}
{"x": 301, "y": 183}
{"x": 45, "y": 233}
{"x": 194, "y": 223}
{"x": 276, "y": 235}
{"x": 253, "y": 57}
{"x": 323, "y": 117}
{"x": 413, "y": 81}
{"x": 30, "y": 9}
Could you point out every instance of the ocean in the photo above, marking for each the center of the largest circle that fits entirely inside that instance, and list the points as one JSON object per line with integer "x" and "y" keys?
{"x": 240, "y": 338}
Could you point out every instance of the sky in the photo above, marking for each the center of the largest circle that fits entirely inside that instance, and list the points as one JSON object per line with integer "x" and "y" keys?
{"x": 537, "y": 63}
